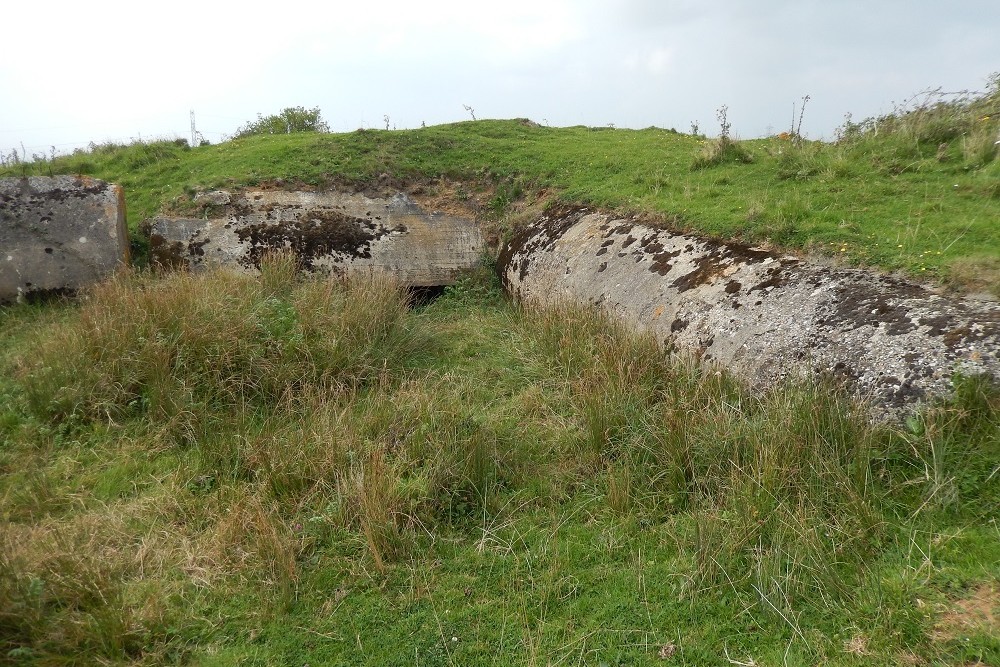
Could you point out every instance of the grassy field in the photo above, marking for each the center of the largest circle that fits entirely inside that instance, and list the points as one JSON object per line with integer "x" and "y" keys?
{"x": 220, "y": 469}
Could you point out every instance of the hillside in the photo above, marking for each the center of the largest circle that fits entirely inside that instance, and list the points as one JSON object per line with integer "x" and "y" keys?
{"x": 216, "y": 469}
{"x": 922, "y": 198}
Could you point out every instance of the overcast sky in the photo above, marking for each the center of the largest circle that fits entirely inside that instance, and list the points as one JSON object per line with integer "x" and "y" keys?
{"x": 74, "y": 72}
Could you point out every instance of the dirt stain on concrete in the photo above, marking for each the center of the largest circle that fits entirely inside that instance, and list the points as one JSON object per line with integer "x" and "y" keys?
{"x": 324, "y": 233}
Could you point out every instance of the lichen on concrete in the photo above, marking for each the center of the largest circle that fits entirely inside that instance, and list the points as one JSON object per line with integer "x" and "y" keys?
{"x": 764, "y": 315}
{"x": 336, "y": 232}
{"x": 58, "y": 234}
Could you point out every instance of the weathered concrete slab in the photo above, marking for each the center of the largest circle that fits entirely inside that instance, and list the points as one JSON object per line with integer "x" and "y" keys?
{"x": 58, "y": 234}
{"x": 333, "y": 232}
{"x": 760, "y": 314}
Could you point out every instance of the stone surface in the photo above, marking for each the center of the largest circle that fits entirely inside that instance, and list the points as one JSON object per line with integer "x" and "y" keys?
{"x": 58, "y": 234}
{"x": 212, "y": 198}
{"x": 334, "y": 232}
{"x": 763, "y": 315}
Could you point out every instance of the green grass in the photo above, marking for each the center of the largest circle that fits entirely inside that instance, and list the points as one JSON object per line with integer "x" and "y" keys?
{"x": 219, "y": 469}
{"x": 476, "y": 485}
{"x": 915, "y": 192}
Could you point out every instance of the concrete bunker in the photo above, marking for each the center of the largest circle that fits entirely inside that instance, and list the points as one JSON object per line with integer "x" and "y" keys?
{"x": 333, "y": 232}
{"x": 58, "y": 234}
{"x": 764, "y": 315}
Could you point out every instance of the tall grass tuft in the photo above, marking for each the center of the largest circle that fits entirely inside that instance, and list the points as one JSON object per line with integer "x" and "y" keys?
{"x": 928, "y": 124}
{"x": 948, "y": 454}
{"x": 788, "y": 506}
{"x": 175, "y": 346}
{"x": 722, "y": 150}
{"x": 62, "y": 594}
{"x": 781, "y": 484}
{"x": 371, "y": 499}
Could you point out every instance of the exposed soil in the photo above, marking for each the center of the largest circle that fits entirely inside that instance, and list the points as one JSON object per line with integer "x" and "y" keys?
{"x": 977, "y": 613}
{"x": 457, "y": 198}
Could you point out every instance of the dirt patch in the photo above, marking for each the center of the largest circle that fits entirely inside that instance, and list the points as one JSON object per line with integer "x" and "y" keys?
{"x": 977, "y": 613}
{"x": 457, "y": 198}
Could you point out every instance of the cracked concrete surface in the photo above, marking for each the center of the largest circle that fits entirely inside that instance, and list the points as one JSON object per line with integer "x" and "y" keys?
{"x": 760, "y": 314}
{"x": 334, "y": 232}
{"x": 58, "y": 234}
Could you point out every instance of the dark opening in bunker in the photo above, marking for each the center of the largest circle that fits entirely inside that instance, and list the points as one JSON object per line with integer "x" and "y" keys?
{"x": 424, "y": 295}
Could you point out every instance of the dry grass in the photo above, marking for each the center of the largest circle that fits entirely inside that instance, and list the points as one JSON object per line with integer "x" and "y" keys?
{"x": 75, "y": 587}
{"x": 168, "y": 348}
{"x": 977, "y": 273}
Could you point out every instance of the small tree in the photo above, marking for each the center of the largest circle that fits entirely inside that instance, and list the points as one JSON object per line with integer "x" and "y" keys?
{"x": 291, "y": 119}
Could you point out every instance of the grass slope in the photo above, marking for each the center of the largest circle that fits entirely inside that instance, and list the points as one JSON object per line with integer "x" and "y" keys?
{"x": 922, "y": 196}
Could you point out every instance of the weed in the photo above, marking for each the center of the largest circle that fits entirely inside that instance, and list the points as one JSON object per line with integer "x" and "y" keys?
{"x": 723, "y": 149}
{"x": 795, "y": 130}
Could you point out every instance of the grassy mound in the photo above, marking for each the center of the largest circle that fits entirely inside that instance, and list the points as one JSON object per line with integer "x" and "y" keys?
{"x": 915, "y": 190}
{"x": 216, "y": 468}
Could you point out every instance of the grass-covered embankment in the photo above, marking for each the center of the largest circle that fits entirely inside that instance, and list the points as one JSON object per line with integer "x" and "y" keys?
{"x": 917, "y": 191}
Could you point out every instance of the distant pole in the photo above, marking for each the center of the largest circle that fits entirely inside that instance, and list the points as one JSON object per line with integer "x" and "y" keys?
{"x": 194, "y": 132}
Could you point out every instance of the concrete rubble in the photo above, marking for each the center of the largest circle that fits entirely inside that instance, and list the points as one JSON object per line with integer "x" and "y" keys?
{"x": 336, "y": 232}
{"x": 764, "y": 315}
{"x": 58, "y": 234}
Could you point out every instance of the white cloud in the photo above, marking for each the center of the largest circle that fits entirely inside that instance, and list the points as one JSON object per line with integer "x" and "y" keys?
{"x": 658, "y": 61}
{"x": 111, "y": 68}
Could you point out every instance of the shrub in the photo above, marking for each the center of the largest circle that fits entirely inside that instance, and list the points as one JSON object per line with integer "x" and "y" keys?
{"x": 287, "y": 121}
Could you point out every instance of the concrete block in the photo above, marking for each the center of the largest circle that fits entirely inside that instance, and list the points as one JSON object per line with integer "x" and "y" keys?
{"x": 330, "y": 232}
{"x": 58, "y": 234}
{"x": 760, "y": 314}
